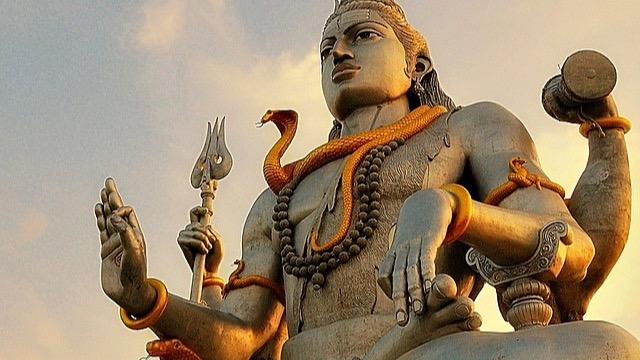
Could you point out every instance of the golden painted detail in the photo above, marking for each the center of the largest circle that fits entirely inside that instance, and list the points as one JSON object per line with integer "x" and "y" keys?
{"x": 461, "y": 213}
{"x": 213, "y": 281}
{"x": 544, "y": 260}
{"x": 357, "y": 146}
{"x": 518, "y": 178}
{"x": 171, "y": 349}
{"x": 235, "y": 282}
{"x": 154, "y": 314}
{"x": 606, "y": 123}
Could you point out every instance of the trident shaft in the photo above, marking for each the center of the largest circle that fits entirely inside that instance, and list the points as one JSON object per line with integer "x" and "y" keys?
{"x": 213, "y": 164}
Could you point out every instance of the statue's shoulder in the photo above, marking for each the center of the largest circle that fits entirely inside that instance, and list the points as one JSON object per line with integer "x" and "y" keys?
{"x": 483, "y": 113}
{"x": 485, "y": 120}
{"x": 259, "y": 218}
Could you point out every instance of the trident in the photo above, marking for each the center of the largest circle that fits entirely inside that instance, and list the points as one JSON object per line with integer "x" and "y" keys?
{"x": 213, "y": 163}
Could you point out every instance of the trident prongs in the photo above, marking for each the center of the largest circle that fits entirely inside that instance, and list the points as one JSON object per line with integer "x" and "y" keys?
{"x": 222, "y": 160}
{"x": 214, "y": 161}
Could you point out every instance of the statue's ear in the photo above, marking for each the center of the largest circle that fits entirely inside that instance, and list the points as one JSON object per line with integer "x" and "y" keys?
{"x": 423, "y": 67}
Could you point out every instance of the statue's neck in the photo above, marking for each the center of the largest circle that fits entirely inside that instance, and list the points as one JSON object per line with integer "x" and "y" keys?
{"x": 372, "y": 117}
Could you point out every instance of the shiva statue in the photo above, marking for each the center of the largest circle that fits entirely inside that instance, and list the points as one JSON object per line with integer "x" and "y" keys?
{"x": 375, "y": 244}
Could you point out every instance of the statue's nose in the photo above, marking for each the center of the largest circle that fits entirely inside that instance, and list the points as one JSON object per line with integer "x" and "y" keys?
{"x": 341, "y": 52}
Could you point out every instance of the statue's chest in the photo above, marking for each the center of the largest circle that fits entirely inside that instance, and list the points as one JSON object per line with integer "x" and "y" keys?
{"x": 317, "y": 203}
{"x": 406, "y": 170}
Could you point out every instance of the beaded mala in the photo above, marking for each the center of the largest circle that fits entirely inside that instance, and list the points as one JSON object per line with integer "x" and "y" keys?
{"x": 317, "y": 266}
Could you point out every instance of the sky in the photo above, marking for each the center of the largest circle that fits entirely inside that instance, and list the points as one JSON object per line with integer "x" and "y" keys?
{"x": 125, "y": 89}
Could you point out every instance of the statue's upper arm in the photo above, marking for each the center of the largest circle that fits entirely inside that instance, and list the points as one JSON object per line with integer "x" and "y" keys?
{"x": 492, "y": 137}
{"x": 260, "y": 258}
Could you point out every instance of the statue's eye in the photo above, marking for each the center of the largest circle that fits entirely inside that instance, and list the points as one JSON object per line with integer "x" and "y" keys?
{"x": 366, "y": 35}
{"x": 325, "y": 52}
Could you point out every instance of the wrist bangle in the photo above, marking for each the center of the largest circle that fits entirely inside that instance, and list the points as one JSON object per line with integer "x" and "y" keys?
{"x": 461, "y": 212}
{"x": 154, "y": 314}
{"x": 605, "y": 123}
{"x": 213, "y": 281}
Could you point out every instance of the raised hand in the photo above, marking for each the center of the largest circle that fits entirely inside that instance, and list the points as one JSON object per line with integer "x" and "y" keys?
{"x": 124, "y": 264}
{"x": 197, "y": 238}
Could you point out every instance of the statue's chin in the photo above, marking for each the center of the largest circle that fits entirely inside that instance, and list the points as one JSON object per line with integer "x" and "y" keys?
{"x": 350, "y": 99}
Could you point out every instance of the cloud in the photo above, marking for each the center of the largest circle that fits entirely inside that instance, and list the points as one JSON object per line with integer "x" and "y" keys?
{"x": 162, "y": 25}
{"x": 34, "y": 331}
{"x": 33, "y": 225}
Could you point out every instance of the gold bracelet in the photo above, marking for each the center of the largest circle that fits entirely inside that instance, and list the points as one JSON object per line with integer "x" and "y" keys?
{"x": 154, "y": 314}
{"x": 606, "y": 123}
{"x": 461, "y": 213}
{"x": 213, "y": 281}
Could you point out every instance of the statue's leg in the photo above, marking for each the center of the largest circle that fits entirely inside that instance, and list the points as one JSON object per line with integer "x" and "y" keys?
{"x": 575, "y": 340}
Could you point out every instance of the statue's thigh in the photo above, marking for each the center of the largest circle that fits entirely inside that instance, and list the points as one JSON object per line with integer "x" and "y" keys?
{"x": 576, "y": 340}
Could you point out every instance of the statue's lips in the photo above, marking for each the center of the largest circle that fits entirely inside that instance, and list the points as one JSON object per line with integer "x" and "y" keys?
{"x": 343, "y": 71}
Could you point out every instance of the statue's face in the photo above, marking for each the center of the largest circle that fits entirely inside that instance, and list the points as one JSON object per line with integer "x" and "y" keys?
{"x": 363, "y": 63}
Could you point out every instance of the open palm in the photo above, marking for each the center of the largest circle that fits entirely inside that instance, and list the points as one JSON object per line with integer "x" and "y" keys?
{"x": 124, "y": 264}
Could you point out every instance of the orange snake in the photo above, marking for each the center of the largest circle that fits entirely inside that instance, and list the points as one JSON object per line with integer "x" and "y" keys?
{"x": 356, "y": 146}
{"x": 171, "y": 349}
{"x": 236, "y": 282}
{"x": 517, "y": 178}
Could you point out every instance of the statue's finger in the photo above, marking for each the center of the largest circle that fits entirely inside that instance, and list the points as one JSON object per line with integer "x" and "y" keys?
{"x": 198, "y": 236}
{"x": 111, "y": 229}
{"x": 427, "y": 267}
{"x": 443, "y": 291}
{"x": 399, "y": 294}
{"x": 194, "y": 244}
{"x": 102, "y": 223}
{"x": 472, "y": 323}
{"x": 100, "y": 220}
{"x": 103, "y": 236}
{"x": 385, "y": 272}
{"x": 458, "y": 311}
{"x": 115, "y": 200}
{"x": 127, "y": 236}
{"x": 104, "y": 197}
{"x": 453, "y": 328}
{"x": 128, "y": 213}
{"x": 414, "y": 281}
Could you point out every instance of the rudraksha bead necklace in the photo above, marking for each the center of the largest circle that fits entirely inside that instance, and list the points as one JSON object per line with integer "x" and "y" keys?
{"x": 317, "y": 266}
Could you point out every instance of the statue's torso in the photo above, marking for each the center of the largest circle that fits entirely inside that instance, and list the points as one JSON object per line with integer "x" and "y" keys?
{"x": 429, "y": 159}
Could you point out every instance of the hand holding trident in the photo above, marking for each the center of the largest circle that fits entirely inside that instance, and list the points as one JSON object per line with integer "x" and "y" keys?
{"x": 213, "y": 163}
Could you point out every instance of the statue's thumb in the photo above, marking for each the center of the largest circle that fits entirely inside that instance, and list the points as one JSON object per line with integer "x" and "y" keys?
{"x": 127, "y": 236}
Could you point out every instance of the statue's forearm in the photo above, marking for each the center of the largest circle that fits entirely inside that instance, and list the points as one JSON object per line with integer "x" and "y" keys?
{"x": 510, "y": 237}
{"x": 214, "y": 334}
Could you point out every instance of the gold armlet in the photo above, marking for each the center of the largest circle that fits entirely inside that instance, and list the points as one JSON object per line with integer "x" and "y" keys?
{"x": 461, "y": 213}
{"x": 213, "y": 281}
{"x": 154, "y": 314}
{"x": 520, "y": 178}
{"x": 605, "y": 123}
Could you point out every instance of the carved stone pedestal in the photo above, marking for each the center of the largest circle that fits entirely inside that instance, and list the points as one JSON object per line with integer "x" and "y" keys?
{"x": 526, "y": 300}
